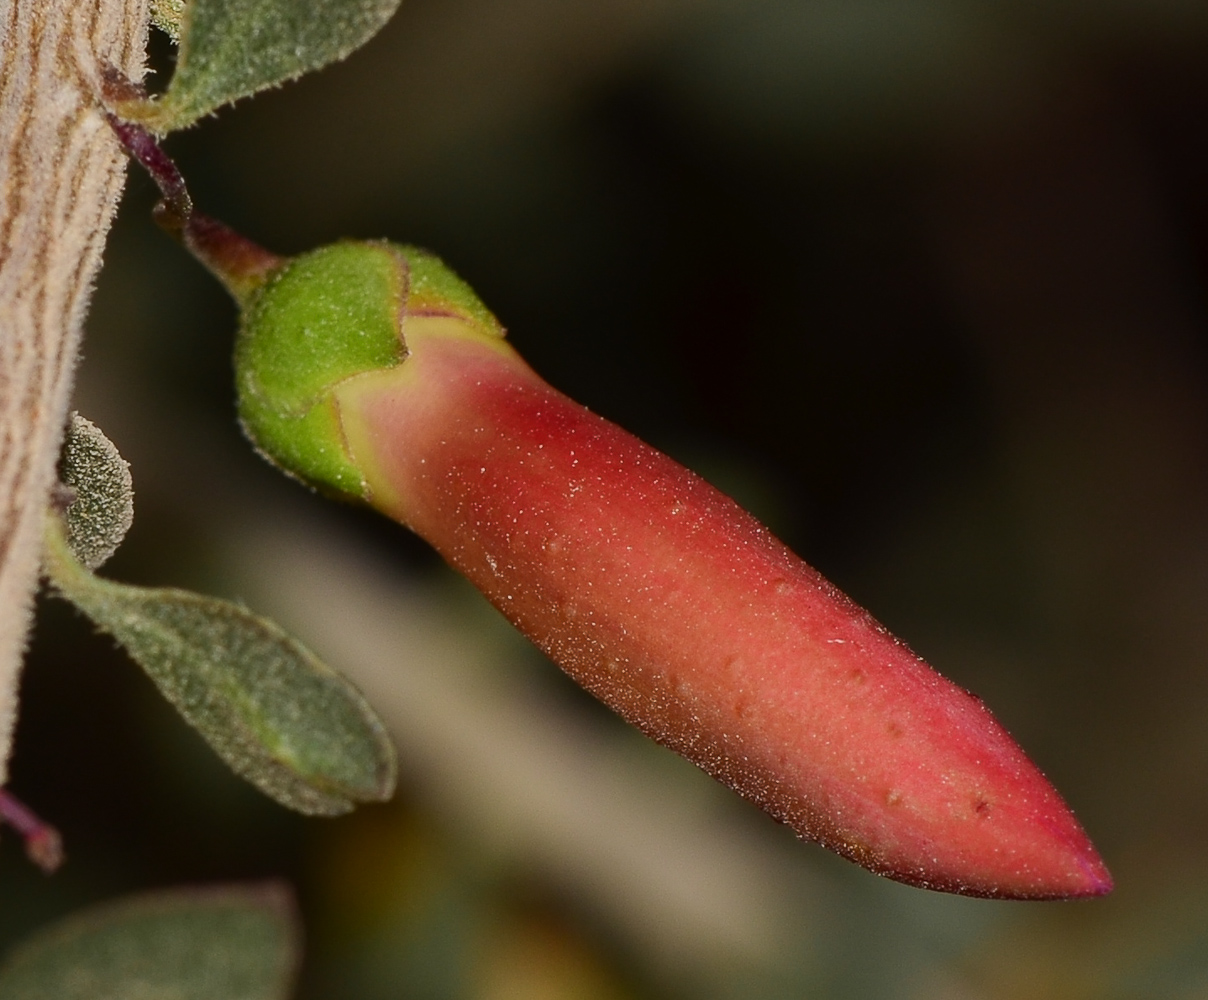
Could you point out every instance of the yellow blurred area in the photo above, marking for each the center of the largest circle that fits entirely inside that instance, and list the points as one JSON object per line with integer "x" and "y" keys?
{"x": 532, "y": 961}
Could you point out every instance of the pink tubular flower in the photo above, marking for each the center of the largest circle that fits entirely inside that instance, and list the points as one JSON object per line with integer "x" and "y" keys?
{"x": 649, "y": 587}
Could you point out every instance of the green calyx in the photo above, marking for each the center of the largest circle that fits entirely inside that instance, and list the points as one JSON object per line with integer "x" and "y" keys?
{"x": 325, "y": 317}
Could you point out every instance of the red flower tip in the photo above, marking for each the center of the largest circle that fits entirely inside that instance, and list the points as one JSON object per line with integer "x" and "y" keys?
{"x": 675, "y": 607}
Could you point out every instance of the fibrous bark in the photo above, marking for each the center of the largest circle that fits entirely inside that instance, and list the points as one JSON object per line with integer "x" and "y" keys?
{"x": 61, "y": 173}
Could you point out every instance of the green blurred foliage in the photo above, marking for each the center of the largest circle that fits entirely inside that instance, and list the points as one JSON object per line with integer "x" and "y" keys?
{"x": 227, "y": 943}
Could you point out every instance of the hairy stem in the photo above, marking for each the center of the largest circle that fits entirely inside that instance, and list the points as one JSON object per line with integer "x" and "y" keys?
{"x": 241, "y": 265}
{"x": 61, "y": 173}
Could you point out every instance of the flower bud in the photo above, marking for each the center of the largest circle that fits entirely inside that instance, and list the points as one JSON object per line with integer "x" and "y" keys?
{"x": 371, "y": 371}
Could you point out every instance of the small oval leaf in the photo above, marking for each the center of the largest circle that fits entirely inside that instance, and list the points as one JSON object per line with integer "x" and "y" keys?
{"x": 269, "y": 707}
{"x": 227, "y": 943}
{"x": 232, "y": 48}
{"x": 102, "y": 508}
{"x": 167, "y": 15}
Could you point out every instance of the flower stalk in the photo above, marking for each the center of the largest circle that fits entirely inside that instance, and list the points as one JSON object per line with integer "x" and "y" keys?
{"x": 241, "y": 265}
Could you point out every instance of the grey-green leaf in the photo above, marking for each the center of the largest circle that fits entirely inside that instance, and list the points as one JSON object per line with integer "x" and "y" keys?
{"x": 268, "y": 706}
{"x": 102, "y": 507}
{"x": 228, "y": 943}
{"x": 167, "y": 15}
{"x": 232, "y": 48}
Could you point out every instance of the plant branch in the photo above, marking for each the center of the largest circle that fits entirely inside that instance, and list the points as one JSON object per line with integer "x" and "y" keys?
{"x": 61, "y": 173}
{"x": 241, "y": 265}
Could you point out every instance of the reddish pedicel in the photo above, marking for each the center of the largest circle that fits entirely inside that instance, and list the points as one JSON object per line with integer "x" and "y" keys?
{"x": 680, "y": 611}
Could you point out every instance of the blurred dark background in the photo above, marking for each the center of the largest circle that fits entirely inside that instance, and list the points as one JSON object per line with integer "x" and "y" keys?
{"x": 921, "y": 282}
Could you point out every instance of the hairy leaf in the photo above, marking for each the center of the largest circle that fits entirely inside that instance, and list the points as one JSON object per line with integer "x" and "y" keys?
{"x": 228, "y": 943}
{"x": 167, "y": 15}
{"x": 233, "y": 48}
{"x": 268, "y": 706}
{"x": 102, "y": 505}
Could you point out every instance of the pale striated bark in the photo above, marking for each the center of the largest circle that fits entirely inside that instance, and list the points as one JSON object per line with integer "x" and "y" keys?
{"x": 61, "y": 173}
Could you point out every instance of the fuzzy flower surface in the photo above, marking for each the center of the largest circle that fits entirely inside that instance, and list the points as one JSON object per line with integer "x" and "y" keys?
{"x": 369, "y": 370}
